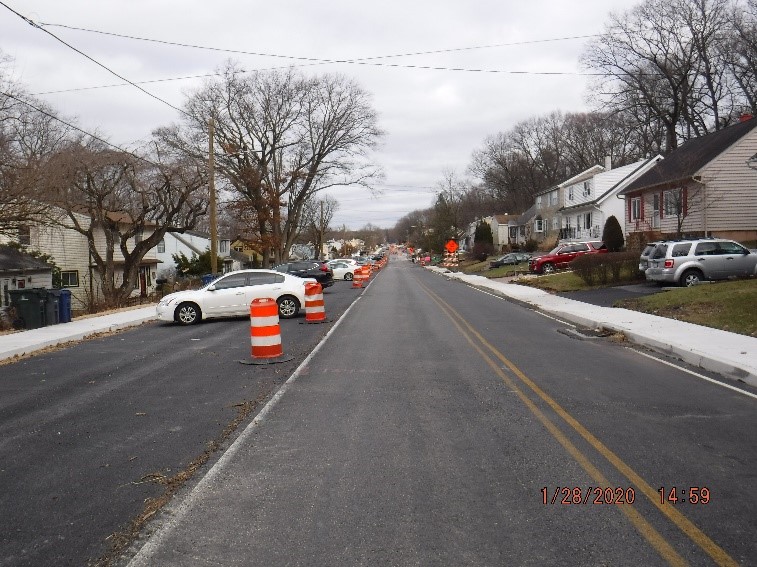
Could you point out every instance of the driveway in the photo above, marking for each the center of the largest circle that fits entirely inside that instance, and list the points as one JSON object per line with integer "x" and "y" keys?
{"x": 607, "y": 296}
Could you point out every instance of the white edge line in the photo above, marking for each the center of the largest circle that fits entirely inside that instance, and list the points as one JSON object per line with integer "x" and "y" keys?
{"x": 716, "y": 382}
{"x": 143, "y": 556}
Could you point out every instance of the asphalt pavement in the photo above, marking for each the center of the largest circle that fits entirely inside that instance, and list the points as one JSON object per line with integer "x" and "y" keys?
{"x": 732, "y": 355}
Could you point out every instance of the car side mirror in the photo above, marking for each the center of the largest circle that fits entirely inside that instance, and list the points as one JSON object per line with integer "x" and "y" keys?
{"x": 211, "y": 287}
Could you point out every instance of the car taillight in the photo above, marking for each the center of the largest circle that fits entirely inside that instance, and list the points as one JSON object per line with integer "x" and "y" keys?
{"x": 669, "y": 263}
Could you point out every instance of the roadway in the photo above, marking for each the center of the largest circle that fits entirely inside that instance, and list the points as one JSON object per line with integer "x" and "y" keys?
{"x": 436, "y": 424}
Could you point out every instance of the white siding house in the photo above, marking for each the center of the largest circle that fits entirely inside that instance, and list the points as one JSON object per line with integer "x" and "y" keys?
{"x": 189, "y": 243}
{"x": 70, "y": 251}
{"x": 591, "y": 201}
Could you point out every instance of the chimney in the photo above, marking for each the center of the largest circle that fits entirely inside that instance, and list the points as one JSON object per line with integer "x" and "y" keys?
{"x": 608, "y": 163}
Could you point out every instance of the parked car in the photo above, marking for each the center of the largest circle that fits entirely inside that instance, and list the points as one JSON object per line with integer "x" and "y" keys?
{"x": 510, "y": 259}
{"x": 350, "y": 261}
{"x": 689, "y": 262}
{"x": 315, "y": 269}
{"x": 563, "y": 254}
{"x": 644, "y": 258}
{"x": 343, "y": 270}
{"x": 231, "y": 295}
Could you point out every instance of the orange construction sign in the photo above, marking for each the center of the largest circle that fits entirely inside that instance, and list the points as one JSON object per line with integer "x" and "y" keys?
{"x": 451, "y": 246}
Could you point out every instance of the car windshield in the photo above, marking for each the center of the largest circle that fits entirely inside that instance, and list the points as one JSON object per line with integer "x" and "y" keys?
{"x": 554, "y": 250}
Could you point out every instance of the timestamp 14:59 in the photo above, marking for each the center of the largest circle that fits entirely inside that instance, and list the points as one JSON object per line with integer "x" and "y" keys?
{"x": 692, "y": 495}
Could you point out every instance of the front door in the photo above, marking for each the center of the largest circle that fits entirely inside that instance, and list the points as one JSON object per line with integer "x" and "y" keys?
{"x": 656, "y": 210}
{"x": 227, "y": 296}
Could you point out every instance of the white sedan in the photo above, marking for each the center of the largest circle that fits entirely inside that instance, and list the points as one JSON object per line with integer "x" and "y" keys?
{"x": 231, "y": 295}
{"x": 343, "y": 270}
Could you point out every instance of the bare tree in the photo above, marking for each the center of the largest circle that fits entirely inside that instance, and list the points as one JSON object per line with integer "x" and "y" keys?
{"x": 123, "y": 205}
{"x": 685, "y": 66}
{"x": 29, "y": 132}
{"x": 648, "y": 67}
{"x": 740, "y": 51}
{"x": 284, "y": 137}
{"x": 317, "y": 214}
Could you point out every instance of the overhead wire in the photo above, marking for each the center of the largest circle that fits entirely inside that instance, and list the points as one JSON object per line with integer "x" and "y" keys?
{"x": 358, "y": 61}
{"x": 80, "y": 52}
{"x": 73, "y": 127}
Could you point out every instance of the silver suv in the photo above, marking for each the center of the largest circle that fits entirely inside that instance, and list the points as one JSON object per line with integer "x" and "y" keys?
{"x": 688, "y": 262}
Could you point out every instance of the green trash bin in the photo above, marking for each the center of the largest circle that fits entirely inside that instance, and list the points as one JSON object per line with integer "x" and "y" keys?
{"x": 30, "y": 307}
{"x": 52, "y": 306}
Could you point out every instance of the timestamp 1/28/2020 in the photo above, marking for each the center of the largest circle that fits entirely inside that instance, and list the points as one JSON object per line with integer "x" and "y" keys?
{"x": 592, "y": 495}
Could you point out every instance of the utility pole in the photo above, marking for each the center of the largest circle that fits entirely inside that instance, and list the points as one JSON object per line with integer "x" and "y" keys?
{"x": 212, "y": 188}
{"x": 320, "y": 239}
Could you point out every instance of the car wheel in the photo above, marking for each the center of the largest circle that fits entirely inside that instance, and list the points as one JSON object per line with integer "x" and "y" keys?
{"x": 348, "y": 276}
{"x": 187, "y": 314}
{"x": 547, "y": 268}
{"x": 691, "y": 277}
{"x": 288, "y": 306}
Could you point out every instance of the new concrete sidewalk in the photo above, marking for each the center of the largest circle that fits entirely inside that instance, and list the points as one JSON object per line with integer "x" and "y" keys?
{"x": 26, "y": 342}
{"x": 732, "y": 355}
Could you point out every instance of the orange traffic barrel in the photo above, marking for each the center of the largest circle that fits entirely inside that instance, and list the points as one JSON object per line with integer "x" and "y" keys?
{"x": 357, "y": 278}
{"x": 265, "y": 332}
{"x": 315, "y": 311}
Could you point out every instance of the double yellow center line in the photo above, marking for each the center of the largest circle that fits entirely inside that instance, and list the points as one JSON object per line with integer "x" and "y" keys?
{"x": 483, "y": 347}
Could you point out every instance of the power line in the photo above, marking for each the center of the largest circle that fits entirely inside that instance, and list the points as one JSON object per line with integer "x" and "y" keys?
{"x": 318, "y": 60}
{"x": 39, "y": 27}
{"x": 369, "y": 61}
{"x": 93, "y": 136}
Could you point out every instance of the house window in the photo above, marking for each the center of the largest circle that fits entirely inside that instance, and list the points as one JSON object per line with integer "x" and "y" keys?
{"x": 24, "y": 235}
{"x": 555, "y": 223}
{"x": 538, "y": 225}
{"x": 513, "y": 232}
{"x": 587, "y": 220}
{"x": 224, "y": 247}
{"x": 138, "y": 236}
{"x": 161, "y": 247}
{"x": 587, "y": 188}
{"x": 553, "y": 198}
{"x": 673, "y": 202}
{"x": 238, "y": 248}
{"x": 538, "y": 202}
{"x": 70, "y": 278}
{"x": 570, "y": 193}
{"x": 636, "y": 208}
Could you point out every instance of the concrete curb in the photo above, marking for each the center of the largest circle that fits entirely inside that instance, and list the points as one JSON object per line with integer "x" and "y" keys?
{"x": 729, "y": 354}
{"x": 28, "y": 342}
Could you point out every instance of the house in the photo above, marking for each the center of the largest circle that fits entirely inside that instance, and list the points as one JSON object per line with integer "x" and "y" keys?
{"x": 246, "y": 251}
{"x": 706, "y": 187}
{"x": 546, "y": 222}
{"x": 501, "y": 230}
{"x": 189, "y": 243}
{"x": 590, "y": 201}
{"x": 21, "y": 271}
{"x": 69, "y": 250}
{"x": 521, "y": 229}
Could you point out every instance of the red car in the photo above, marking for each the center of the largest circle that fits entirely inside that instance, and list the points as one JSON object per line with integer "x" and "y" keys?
{"x": 562, "y": 255}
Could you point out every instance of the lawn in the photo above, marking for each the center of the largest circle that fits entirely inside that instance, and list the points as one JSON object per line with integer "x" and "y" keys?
{"x": 730, "y": 306}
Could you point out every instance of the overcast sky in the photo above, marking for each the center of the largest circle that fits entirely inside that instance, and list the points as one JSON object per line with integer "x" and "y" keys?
{"x": 434, "y": 119}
